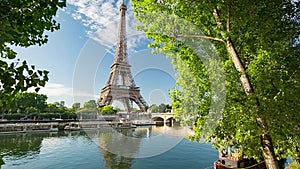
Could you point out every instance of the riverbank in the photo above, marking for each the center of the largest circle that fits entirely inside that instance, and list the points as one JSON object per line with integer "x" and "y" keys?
{"x": 19, "y": 126}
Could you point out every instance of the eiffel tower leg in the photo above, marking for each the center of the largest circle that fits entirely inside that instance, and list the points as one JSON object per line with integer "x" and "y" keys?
{"x": 141, "y": 103}
{"x": 127, "y": 104}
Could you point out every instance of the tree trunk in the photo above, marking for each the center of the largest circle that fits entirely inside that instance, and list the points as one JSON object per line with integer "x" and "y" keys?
{"x": 239, "y": 67}
{"x": 266, "y": 141}
{"x": 268, "y": 152}
{"x": 298, "y": 161}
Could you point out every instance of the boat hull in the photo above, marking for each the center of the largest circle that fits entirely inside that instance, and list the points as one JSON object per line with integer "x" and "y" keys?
{"x": 244, "y": 164}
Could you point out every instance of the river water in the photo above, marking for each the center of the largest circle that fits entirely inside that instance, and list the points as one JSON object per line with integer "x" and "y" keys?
{"x": 140, "y": 148}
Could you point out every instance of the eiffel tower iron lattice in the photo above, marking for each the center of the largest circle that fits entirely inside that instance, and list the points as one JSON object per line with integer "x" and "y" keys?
{"x": 120, "y": 84}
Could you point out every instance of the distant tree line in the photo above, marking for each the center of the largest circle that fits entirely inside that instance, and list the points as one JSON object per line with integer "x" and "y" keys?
{"x": 162, "y": 108}
{"x": 34, "y": 106}
{"x": 30, "y": 105}
{"x": 92, "y": 107}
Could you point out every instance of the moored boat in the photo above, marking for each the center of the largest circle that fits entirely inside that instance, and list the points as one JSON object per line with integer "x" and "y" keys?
{"x": 143, "y": 122}
{"x": 229, "y": 161}
{"x": 125, "y": 125}
{"x": 72, "y": 126}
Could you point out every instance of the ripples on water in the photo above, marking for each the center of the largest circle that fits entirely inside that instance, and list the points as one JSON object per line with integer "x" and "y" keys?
{"x": 88, "y": 150}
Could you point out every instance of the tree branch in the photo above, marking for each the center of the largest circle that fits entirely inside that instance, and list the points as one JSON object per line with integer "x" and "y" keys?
{"x": 217, "y": 19}
{"x": 201, "y": 36}
{"x": 234, "y": 55}
{"x": 228, "y": 20}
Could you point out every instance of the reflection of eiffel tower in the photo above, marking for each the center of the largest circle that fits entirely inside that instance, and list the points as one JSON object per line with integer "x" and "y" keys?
{"x": 120, "y": 85}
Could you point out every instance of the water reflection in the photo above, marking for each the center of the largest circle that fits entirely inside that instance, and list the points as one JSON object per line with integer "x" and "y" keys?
{"x": 119, "y": 149}
{"x": 117, "y": 159}
{"x": 142, "y": 132}
{"x": 138, "y": 142}
{"x": 23, "y": 145}
{"x": 19, "y": 145}
{"x": 114, "y": 161}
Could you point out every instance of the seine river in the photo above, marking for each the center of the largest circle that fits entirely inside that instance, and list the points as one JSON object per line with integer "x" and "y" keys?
{"x": 140, "y": 148}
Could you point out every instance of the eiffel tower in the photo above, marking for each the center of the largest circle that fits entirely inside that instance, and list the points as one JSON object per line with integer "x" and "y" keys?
{"x": 120, "y": 84}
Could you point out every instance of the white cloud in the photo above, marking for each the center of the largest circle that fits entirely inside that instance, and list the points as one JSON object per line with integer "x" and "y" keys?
{"x": 101, "y": 17}
{"x": 84, "y": 94}
{"x": 54, "y": 89}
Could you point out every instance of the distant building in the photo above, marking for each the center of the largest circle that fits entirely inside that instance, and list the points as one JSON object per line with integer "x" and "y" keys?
{"x": 62, "y": 103}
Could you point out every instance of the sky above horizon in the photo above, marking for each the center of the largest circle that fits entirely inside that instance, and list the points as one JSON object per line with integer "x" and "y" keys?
{"x": 80, "y": 54}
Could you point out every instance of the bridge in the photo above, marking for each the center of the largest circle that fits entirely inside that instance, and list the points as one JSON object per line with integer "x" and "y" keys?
{"x": 166, "y": 117}
{"x": 157, "y": 117}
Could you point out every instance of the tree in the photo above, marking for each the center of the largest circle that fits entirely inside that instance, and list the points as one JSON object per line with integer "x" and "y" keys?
{"x": 89, "y": 110}
{"x": 32, "y": 104}
{"x": 159, "y": 109}
{"x": 108, "y": 110}
{"x": 168, "y": 108}
{"x": 174, "y": 95}
{"x": 75, "y": 106}
{"x": 162, "y": 108}
{"x": 52, "y": 108}
{"x": 258, "y": 43}
{"x": 154, "y": 108}
{"x": 28, "y": 103}
{"x": 23, "y": 23}
{"x": 91, "y": 104}
{"x": 56, "y": 110}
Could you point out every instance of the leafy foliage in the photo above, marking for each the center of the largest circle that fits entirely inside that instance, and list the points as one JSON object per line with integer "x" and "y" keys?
{"x": 27, "y": 103}
{"x": 153, "y": 108}
{"x": 32, "y": 104}
{"x": 265, "y": 37}
{"x": 175, "y": 99}
{"x": 91, "y": 104}
{"x": 75, "y": 106}
{"x": 108, "y": 110}
{"x": 23, "y": 23}
{"x": 88, "y": 111}
{"x": 162, "y": 108}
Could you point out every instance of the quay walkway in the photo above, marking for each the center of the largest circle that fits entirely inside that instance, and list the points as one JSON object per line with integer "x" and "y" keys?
{"x": 59, "y": 124}
{"x": 18, "y": 126}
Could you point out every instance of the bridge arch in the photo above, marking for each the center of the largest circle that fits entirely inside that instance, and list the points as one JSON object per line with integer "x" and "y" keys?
{"x": 158, "y": 119}
{"x": 164, "y": 116}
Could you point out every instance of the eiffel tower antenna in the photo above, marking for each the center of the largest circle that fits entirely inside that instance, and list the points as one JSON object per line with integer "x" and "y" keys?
{"x": 120, "y": 84}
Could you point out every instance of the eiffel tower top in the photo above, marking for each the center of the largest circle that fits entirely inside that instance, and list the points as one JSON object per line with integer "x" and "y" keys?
{"x": 123, "y": 6}
{"x": 121, "y": 46}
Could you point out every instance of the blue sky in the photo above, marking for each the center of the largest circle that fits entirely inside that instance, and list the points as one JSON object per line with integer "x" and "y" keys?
{"x": 80, "y": 54}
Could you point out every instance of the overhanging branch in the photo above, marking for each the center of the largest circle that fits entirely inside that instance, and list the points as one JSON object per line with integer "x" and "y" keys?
{"x": 201, "y": 36}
